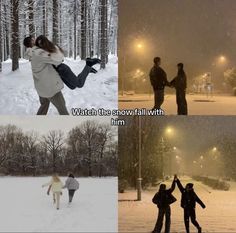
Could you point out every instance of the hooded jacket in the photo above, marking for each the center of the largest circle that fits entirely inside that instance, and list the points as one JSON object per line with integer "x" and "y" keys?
{"x": 47, "y": 81}
{"x": 189, "y": 198}
{"x": 71, "y": 184}
{"x": 163, "y": 199}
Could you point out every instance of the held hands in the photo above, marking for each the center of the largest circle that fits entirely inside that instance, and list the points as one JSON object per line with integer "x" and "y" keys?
{"x": 175, "y": 177}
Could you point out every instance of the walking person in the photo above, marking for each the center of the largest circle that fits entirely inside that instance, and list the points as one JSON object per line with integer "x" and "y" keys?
{"x": 188, "y": 203}
{"x": 56, "y": 186}
{"x": 159, "y": 81}
{"x": 72, "y": 185}
{"x": 163, "y": 199}
{"x": 180, "y": 85}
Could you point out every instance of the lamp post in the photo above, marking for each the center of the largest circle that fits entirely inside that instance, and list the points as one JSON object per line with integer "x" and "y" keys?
{"x": 139, "y": 47}
{"x": 168, "y": 131}
{"x": 139, "y": 180}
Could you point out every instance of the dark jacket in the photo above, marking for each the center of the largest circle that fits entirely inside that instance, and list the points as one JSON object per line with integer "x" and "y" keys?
{"x": 189, "y": 199}
{"x": 163, "y": 199}
{"x": 158, "y": 78}
{"x": 180, "y": 81}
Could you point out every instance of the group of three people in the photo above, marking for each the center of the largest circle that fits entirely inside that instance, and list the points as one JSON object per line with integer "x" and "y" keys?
{"x": 159, "y": 81}
{"x": 164, "y": 198}
{"x": 49, "y": 73}
{"x": 56, "y": 186}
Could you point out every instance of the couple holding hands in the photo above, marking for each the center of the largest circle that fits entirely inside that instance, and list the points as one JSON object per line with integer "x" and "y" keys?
{"x": 164, "y": 198}
{"x": 159, "y": 81}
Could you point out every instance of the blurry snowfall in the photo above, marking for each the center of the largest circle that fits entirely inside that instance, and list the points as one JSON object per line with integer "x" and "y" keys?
{"x": 219, "y": 215}
{"x": 25, "y": 206}
{"x": 18, "y": 95}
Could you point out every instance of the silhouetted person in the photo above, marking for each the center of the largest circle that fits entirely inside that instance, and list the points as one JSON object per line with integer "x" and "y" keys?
{"x": 163, "y": 199}
{"x": 158, "y": 80}
{"x": 180, "y": 84}
{"x": 188, "y": 203}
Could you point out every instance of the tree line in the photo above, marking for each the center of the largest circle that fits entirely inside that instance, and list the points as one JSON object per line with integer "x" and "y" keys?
{"x": 89, "y": 149}
{"x": 157, "y": 153}
{"x": 84, "y": 28}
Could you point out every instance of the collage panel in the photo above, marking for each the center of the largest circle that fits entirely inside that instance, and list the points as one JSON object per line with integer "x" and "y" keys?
{"x": 58, "y": 56}
{"x": 177, "y": 56}
{"x": 58, "y": 174}
{"x": 177, "y": 174}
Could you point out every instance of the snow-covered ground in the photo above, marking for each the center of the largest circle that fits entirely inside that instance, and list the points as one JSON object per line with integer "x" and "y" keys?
{"x": 219, "y": 216}
{"x": 18, "y": 95}
{"x": 197, "y": 104}
{"x": 25, "y": 206}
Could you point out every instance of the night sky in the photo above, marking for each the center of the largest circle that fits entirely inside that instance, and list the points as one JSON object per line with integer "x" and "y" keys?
{"x": 194, "y": 32}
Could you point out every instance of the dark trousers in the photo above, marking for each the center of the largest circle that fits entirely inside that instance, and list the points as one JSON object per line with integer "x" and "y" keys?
{"x": 71, "y": 193}
{"x": 70, "y": 79}
{"x": 181, "y": 102}
{"x": 57, "y": 100}
{"x": 158, "y": 98}
{"x": 190, "y": 214}
{"x": 161, "y": 213}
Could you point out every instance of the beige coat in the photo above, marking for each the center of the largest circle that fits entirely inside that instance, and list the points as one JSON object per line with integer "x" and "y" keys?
{"x": 55, "y": 186}
{"x": 47, "y": 81}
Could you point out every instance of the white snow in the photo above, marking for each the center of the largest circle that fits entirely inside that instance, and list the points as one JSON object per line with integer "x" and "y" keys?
{"x": 18, "y": 95}
{"x": 197, "y": 104}
{"x": 219, "y": 215}
{"x": 25, "y": 206}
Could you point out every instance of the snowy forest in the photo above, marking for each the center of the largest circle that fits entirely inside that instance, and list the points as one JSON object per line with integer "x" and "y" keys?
{"x": 82, "y": 28}
{"x": 89, "y": 149}
{"x": 194, "y": 146}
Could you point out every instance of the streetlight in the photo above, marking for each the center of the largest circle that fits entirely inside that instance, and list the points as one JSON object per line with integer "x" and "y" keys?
{"x": 168, "y": 132}
{"x": 222, "y": 59}
{"x": 214, "y": 149}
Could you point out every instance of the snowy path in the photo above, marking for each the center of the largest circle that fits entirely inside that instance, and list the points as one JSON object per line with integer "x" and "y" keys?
{"x": 18, "y": 95}
{"x": 219, "y": 216}
{"x": 25, "y": 206}
{"x": 197, "y": 104}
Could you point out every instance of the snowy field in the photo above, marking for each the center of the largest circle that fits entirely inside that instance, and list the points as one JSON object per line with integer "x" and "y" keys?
{"x": 18, "y": 95}
{"x": 219, "y": 215}
{"x": 25, "y": 206}
{"x": 197, "y": 104}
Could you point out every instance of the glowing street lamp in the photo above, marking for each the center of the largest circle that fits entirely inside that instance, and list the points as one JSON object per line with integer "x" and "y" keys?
{"x": 139, "y": 45}
{"x": 214, "y": 149}
{"x": 169, "y": 131}
{"x": 222, "y": 59}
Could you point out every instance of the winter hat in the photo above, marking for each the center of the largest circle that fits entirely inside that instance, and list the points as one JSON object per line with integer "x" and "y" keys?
{"x": 181, "y": 65}
{"x": 189, "y": 185}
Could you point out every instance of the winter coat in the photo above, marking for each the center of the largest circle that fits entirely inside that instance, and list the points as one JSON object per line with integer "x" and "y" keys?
{"x": 163, "y": 199}
{"x": 180, "y": 81}
{"x": 55, "y": 186}
{"x": 158, "y": 78}
{"x": 46, "y": 79}
{"x": 71, "y": 184}
{"x": 189, "y": 198}
{"x": 28, "y": 54}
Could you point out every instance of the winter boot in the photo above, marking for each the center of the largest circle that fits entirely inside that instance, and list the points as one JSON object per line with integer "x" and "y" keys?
{"x": 92, "y": 61}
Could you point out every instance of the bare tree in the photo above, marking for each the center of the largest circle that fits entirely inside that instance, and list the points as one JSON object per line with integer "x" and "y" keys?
{"x": 1, "y": 35}
{"x": 15, "y": 34}
{"x": 45, "y": 18}
{"x": 103, "y": 34}
{"x": 31, "y": 17}
{"x": 75, "y": 28}
{"x": 53, "y": 142}
{"x": 55, "y": 22}
{"x": 83, "y": 29}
